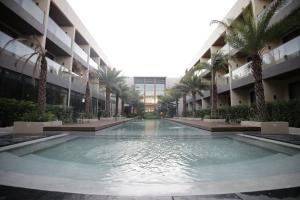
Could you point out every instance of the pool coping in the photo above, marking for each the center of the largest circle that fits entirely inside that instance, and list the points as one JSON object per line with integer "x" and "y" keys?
{"x": 68, "y": 185}
{"x": 271, "y": 141}
{"x": 21, "y": 144}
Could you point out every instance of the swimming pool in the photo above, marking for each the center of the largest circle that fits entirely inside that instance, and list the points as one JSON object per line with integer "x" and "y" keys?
{"x": 142, "y": 157}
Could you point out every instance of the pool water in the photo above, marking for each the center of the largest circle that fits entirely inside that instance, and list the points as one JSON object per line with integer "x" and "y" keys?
{"x": 153, "y": 152}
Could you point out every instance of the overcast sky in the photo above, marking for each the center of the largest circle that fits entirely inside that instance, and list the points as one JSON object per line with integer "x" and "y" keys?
{"x": 150, "y": 37}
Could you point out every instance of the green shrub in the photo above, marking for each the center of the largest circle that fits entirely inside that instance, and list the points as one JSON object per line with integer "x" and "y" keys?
{"x": 62, "y": 113}
{"x": 35, "y": 117}
{"x": 151, "y": 115}
{"x": 13, "y": 110}
{"x": 202, "y": 113}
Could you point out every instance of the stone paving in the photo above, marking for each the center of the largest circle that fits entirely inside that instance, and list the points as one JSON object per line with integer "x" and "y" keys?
{"x": 12, "y": 193}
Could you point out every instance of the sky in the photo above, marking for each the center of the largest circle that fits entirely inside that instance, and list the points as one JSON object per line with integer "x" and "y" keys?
{"x": 150, "y": 37}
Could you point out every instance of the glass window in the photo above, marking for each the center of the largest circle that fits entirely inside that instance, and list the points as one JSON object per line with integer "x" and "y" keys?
{"x": 150, "y": 93}
{"x": 160, "y": 93}
{"x": 139, "y": 86}
{"x": 149, "y": 100}
{"x": 149, "y": 86}
{"x": 160, "y": 86}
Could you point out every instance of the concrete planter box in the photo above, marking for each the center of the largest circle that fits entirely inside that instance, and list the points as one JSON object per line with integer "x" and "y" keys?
{"x": 214, "y": 120}
{"x": 87, "y": 120}
{"x": 269, "y": 127}
{"x": 32, "y": 127}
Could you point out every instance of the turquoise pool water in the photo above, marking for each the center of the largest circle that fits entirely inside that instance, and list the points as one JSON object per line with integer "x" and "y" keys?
{"x": 152, "y": 152}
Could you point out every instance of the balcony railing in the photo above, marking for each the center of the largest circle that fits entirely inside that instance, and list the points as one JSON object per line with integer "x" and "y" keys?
{"x": 60, "y": 34}
{"x": 80, "y": 52}
{"x": 285, "y": 51}
{"x": 270, "y": 4}
{"x": 242, "y": 71}
{"x": 16, "y": 48}
{"x": 94, "y": 89}
{"x": 32, "y": 8}
{"x": 223, "y": 80}
{"x": 226, "y": 49}
{"x": 55, "y": 68}
{"x": 93, "y": 64}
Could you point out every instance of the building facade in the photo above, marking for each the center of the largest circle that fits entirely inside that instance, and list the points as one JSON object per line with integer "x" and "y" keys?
{"x": 150, "y": 88}
{"x": 281, "y": 61}
{"x": 72, "y": 53}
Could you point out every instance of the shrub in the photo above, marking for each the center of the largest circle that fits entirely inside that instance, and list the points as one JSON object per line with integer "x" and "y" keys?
{"x": 151, "y": 115}
{"x": 62, "y": 113}
{"x": 34, "y": 117}
{"x": 13, "y": 110}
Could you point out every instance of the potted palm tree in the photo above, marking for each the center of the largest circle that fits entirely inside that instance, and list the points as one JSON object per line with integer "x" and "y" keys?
{"x": 251, "y": 36}
{"x": 35, "y": 121}
{"x": 109, "y": 77}
{"x": 194, "y": 85}
{"x": 218, "y": 64}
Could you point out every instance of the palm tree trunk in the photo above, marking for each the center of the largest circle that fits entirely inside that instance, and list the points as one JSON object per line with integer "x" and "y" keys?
{"x": 42, "y": 87}
{"x": 117, "y": 105}
{"x": 194, "y": 103}
{"x": 87, "y": 108}
{"x": 184, "y": 105}
{"x": 122, "y": 107}
{"x": 214, "y": 96}
{"x": 258, "y": 87}
{"x": 107, "y": 101}
{"x": 176, "y": 107}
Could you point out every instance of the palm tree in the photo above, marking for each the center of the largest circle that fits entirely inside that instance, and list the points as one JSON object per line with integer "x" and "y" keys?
{"x": 251, "y": 36}
{"x": 117, "y": 89}
{"x": 109, "y": 77}
{"x": 176, "y": 93}
{"x": 218, "y": 64}
{"x": 124, "y": 89}
{"x": 193, "y": 84}
{"x": 40, "y": 62}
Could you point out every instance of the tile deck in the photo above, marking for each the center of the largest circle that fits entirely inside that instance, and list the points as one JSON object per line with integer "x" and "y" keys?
{"x": 216, "y": 127}
{"x": 87, "y": 127}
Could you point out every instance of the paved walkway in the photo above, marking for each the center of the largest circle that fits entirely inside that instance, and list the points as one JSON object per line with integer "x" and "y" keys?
{"x": 87, "y": 127}
{"x": 215, "y": 126}
{"x": 12, "y": 193}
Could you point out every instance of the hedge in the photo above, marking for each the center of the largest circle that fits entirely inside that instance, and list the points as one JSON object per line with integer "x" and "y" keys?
{"x": 18, "y": 110}
{"x": 276, "y": 111}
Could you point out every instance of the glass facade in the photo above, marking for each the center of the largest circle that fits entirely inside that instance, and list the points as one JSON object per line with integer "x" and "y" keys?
{"x": 150, "y": 88}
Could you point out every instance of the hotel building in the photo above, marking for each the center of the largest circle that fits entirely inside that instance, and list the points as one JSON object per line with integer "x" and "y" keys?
{"x": 281, "y": 61}
{"x": 72, "y": 53}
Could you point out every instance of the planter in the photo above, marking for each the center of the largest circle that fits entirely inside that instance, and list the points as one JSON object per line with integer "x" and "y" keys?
{"x": 269, "y": 127}
{"x": 21, "y": 127}
{"x": 87, "y": 120}
{"x": 214, "y": 120}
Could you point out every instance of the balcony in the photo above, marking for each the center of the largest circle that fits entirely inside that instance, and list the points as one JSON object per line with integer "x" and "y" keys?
{"x": 226, "y": 49}
{"x": 288, "y": 2}
{"x": 282, "y": 53}
{"x": 78, "y": 83}
{"x": 27, "y": 17}
{"x": 19, "y": 49}
{"x": 55, "y": 68}
{"x": 59, "y": 33}
{"x": 32, "y": 8}
{"x": 93, "y": 64}
{"x": 94, "y": 90}
{"x": 241, "y": 72}
{"x": 16, "y": 48}
{"x": 80, "y": 53}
